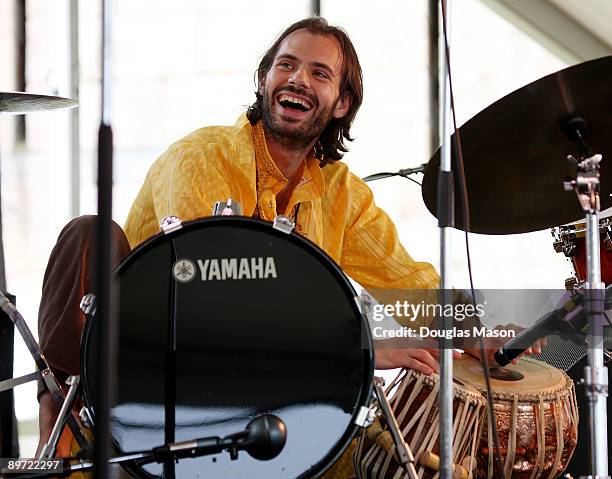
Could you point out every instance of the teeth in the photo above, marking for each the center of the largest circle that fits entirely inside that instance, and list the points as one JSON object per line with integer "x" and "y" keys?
{"x": 293, "y": 99}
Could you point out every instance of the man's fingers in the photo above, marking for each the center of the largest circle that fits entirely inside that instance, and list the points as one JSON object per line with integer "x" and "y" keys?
{"x": 425, "y": 357}
{"x": 412, "y": 363}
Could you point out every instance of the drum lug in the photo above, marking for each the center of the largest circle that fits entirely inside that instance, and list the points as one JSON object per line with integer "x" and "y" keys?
{"x": 365, "y": 416}
{"x": 227, "y": 208}
{"x": 88, "y": 304}
{"x": 170, "y": 223}
{"x": 86, "y": 418}
{"x": 283, "y": 224}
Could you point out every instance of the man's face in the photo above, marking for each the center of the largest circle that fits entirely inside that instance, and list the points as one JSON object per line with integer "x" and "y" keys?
{"x": 301, "y": 89}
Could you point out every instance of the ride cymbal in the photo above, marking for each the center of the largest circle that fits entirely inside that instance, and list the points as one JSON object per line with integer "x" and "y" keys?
{"x": 515, "y": 152}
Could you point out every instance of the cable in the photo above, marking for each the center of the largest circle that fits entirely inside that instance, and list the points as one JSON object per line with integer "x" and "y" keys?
{"x": 460, "y": 168}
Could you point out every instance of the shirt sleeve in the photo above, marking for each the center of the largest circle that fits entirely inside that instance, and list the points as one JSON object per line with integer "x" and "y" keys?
{"x": 372, "y": 253}
{"x": 185, "y": 182}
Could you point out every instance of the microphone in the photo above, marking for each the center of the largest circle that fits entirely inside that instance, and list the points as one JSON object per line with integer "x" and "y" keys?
{"x": 547, "y": 324}
{"x": 263, "y": 439}
{"x": 267, "y": 435}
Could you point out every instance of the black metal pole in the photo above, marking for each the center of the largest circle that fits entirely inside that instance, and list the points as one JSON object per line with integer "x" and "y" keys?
{"x": 433, "y": 18}
{"x": 315, "y": 8}
{"x": 105, "y": 319}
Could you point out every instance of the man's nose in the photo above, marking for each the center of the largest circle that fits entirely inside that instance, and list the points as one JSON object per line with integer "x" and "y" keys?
{"x": 300, "y": 77}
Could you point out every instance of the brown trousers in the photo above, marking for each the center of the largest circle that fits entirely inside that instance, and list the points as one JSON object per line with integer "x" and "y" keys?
{"x": 60, "y": 320}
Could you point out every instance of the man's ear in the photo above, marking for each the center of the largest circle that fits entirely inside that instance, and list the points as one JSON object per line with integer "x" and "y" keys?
{"x": 343, "y": 105}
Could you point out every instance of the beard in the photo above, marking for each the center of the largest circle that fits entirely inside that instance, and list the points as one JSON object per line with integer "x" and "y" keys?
{"x": 294, "y": 134}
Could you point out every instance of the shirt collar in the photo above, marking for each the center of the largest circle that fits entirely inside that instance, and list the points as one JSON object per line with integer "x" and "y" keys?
{"x": 310, "y": 186}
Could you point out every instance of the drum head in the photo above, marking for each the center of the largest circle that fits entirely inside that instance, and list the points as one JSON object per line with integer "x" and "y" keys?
{"x": 538, "y": 377}
{"x": 264, "y": 322}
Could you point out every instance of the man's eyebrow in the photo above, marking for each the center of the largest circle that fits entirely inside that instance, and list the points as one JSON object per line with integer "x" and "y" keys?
{"x": 324, "y": 66}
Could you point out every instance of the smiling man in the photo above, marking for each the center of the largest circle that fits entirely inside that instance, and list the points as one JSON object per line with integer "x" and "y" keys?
{"x": 283, "y": 158}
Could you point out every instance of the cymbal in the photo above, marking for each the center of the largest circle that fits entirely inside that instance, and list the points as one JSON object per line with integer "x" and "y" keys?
{"x": 515, "y": 152}
{"x": 19, "y": 103}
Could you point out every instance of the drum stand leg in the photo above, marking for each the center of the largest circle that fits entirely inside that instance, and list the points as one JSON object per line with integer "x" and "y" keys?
{"x": 586, "y": 187}
{"x": 404, "y": 454}
{"x": 48, "y": 450}
{"x": 44, "y": 372}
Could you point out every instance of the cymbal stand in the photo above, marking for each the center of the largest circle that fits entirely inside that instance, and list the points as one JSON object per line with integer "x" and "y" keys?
{"x": 586, "y": 187}
{"x": 44, "y": 373}
{"x": 50, "y": 447}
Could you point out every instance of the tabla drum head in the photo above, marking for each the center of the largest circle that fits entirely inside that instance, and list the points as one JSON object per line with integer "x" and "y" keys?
{"x": 264, "y": 322}
{"x": 537, "y": 376}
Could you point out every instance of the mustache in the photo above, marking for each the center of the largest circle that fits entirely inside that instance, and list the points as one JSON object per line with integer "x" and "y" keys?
{"x": 298, "y": 91}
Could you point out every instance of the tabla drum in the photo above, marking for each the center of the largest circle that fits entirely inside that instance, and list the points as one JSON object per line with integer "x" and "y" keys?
{"x": 414, "y": 402}
{"x": 536, "y": 419}
{"x": 571, "y": 241}
{"x": 222, "y": 320}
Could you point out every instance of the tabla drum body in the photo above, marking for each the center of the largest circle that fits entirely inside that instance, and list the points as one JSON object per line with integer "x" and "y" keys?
{"x": 414, "y": 403}
{"x": 222, "y": 320}
{"x": 536, "y": 419}
{"x": 571, "y": 241}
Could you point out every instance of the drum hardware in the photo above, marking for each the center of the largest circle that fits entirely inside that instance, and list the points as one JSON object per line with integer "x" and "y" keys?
{"x": 49, "y": 449}
{"x": 44, "y": 372}
{"x": 170, "y": 224}
{"x": 283, "y": 224}
{"x": 227, "y": 208}
{"x": 571, "y": 283}
{"x": 88, "y": 304}
{"x": 586, "y": 186}
{"x": 85, "y": 417}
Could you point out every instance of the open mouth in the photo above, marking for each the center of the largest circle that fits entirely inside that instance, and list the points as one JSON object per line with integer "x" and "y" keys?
{"x": 294, "y": 103}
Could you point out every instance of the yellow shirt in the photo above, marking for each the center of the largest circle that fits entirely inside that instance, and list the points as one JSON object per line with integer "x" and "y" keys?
{"x": 337, "y": 210}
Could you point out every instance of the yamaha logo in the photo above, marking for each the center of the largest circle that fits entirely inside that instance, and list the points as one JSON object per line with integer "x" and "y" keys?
{"x": 184, "y": 270}
{"x": 221, "y": 269}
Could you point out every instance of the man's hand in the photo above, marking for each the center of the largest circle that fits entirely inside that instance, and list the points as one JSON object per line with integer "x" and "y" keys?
{"x": 492, "y": 345}
{"x": 422, "y": 360}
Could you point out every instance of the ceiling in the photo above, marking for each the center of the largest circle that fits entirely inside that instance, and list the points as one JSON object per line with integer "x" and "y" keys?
{"x": 574, "y": 30}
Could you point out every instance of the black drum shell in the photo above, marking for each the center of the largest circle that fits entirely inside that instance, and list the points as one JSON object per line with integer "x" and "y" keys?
{"x": 295, "y": 346}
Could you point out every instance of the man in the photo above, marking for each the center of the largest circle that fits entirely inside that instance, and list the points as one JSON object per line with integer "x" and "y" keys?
{"x": 282, "y": 157}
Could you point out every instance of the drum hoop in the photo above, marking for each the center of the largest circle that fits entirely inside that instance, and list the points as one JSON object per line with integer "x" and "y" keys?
{"x": 326, "y": 261}
{"x": 563, "y": 390}
{"x": 461, "y": 390}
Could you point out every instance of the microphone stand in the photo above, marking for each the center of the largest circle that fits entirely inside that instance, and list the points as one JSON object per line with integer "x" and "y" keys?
{"x": 264, "y": 438}
{"x": 405, "y": 173}
{"x": 586, "y": 187}
{"x": 446, "y": 209}
{"x": 105, "y": 321}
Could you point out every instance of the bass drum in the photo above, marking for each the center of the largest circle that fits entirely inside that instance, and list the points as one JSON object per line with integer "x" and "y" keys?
{"x": 222, "y": 320}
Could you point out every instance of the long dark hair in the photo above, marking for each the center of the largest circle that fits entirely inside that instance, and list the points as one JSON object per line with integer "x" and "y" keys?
{"x": 330, "y": 146}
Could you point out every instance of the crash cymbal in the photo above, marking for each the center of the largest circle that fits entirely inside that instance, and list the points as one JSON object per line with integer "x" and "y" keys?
{"x": 18, "y": 103}
{"x": 515, "y": 152}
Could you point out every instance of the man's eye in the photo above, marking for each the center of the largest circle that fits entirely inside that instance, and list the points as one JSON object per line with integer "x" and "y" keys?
{"x": 321, "y": 74}
{"x": 284, "y": 64}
